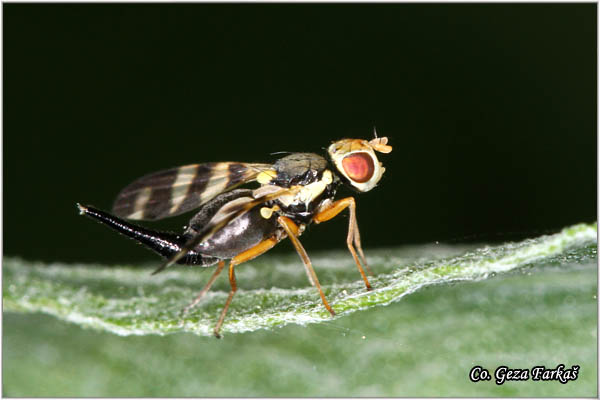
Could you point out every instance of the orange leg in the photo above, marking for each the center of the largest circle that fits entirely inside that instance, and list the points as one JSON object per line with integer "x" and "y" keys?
{"x": 247, "y": 255}
{"x": 353, "y": 234}
{"x": 212, "y": 279}
{"x": 292, "y": 231}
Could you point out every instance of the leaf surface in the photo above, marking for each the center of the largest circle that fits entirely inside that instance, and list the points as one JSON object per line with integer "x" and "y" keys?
{"x": 273, "y": 290}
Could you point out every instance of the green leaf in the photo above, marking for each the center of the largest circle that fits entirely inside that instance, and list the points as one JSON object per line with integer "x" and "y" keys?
{"x": 273, "y": 289}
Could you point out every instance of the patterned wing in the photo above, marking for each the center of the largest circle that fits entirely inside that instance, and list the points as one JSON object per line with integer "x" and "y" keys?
{"x": 178, "y": 190}
{"x": 224, "y": 216}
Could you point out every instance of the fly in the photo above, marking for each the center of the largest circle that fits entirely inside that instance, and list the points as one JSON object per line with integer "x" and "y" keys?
{"x": 241, "y": 224}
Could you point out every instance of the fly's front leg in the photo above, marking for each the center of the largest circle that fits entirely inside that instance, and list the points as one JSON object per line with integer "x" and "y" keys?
{"x": 353, "y": 238}
{"x": 359, "y": 245}
{"x": 247, "y": 255}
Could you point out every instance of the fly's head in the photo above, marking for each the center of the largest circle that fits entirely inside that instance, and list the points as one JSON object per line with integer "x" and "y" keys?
{"x": 356, "y": 161}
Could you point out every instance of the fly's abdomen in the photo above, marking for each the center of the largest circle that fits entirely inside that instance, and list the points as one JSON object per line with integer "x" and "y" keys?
{"x": 239, "y": 235}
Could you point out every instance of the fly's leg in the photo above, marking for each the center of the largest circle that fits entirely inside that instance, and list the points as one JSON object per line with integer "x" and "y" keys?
{"x": 353, "y": 234}
{"x": 292, "y": 231}
{"x": 359, "y": 247}
{"x": 247, "y": 255}
{"x": 212, "y": 280}
{"x": 233, "y": 284}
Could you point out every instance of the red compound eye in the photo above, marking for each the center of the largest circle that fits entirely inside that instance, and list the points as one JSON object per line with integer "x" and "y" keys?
{"x": 359, "y": 167}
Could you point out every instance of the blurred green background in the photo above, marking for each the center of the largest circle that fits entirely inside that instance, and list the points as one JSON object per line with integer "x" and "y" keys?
{"x": 491, "y": 109}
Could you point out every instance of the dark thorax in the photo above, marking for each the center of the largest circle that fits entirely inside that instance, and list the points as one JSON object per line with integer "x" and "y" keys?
{"x": 314, "y": 180}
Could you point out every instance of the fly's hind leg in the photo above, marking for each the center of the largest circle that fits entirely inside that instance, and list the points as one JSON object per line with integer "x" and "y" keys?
{"x": 212, "y": 280}
{"x": 247, "y": 255}
{"x": 353, "y": 238}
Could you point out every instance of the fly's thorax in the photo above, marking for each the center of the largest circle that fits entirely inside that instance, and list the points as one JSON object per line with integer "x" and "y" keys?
{"x": 298, "y": 169}
{"x": 307, "y": 194}
{"x": 300, "y": 202}
{"x": 356, "y": 161}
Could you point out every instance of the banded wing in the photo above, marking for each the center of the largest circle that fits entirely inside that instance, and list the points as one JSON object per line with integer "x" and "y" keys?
{"x": 178, "y": 190}
{"x": 225, "y": 215}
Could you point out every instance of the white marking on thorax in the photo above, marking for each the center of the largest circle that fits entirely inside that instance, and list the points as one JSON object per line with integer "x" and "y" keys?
{"x": 306, "y": 194}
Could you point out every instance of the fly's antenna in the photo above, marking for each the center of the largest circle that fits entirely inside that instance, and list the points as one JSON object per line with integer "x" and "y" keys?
{"x": 375, "y": 131}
